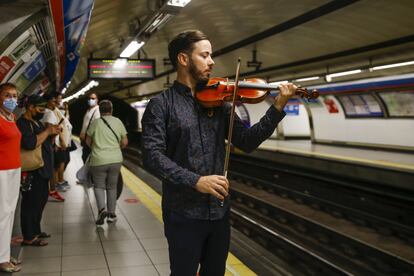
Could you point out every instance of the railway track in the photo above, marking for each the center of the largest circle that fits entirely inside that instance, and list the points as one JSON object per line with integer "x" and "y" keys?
{"x": 386, "y": 210}
{"x": 318, "y": 235}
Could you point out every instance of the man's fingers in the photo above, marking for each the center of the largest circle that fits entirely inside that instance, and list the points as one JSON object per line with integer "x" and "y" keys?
{"x": 223, "y": 183}
{"x": 221, "y": 190}
{"x": 216, "y": 194}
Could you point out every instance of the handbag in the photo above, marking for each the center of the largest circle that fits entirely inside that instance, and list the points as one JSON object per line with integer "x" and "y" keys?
{"x": 84, "y": 176}
{"x": 31, "y": 159}
{"x": 26, "y": 181}
{"x": 119, "y": 186}
{"x": 73, "y": 146}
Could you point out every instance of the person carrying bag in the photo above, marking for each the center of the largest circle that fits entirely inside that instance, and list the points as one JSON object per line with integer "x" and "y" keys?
{"x": 106, "y": 137}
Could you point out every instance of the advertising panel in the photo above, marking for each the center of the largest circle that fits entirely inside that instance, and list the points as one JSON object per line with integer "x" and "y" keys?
{"x": 399, "y": 104}
{"x": 360, "y": 105}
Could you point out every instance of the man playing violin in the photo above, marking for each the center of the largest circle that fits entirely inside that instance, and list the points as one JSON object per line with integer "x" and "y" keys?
{"x": 184, "y": 145}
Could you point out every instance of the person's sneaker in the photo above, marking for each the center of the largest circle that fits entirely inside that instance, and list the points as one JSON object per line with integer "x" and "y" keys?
{"x": 55, "y": 197}
{"x": 65, "y": 184}
{"x": 61, "y": 188}
{"x": 111, "y": 218}
{"x": 101, "y": 217}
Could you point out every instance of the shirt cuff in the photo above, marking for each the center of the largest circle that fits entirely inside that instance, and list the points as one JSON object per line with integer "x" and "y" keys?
{"x": 193, "y": 179}
{"x": 274, "y": 113}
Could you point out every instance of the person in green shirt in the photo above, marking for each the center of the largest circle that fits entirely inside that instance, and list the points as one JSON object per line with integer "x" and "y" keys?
{"x": 106, "y": 136}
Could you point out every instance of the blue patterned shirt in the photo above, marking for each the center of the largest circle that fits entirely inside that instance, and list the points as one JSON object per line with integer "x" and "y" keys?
{"x": 183, "y": 141}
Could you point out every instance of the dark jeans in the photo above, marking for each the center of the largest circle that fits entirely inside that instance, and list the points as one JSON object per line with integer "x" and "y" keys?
{"x": 32, "y": 206}
{"x": 192, "y": 242}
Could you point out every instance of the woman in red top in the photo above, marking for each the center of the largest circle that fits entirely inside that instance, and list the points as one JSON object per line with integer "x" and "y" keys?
{"x": 9, "y": 172}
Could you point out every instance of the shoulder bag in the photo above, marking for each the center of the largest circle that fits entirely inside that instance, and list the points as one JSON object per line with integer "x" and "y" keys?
{"x": 31, "y": 159}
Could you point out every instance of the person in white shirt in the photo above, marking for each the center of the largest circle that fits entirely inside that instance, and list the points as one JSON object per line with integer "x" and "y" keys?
{"x": 91, "y": 114}
{"x": 66, "y": 137}
{"x": 53, "y": 117}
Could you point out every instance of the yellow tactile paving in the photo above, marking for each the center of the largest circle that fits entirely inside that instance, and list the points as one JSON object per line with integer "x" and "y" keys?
{"x": 152, "y": 200}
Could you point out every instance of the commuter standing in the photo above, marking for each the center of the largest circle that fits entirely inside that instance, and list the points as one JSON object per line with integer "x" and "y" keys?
{"x": 106, "y": 136}
{"x": 90, "y": 115}
{"x": 52, "y": 116}
{"x": 65, "y": 140}
{"x": 10, "y": 165}
{"x": 184, "y": 145}
{"x": 35, "y": 133}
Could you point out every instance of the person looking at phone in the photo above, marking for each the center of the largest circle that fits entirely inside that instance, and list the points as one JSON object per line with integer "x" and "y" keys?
{"x": 52, "y": 117}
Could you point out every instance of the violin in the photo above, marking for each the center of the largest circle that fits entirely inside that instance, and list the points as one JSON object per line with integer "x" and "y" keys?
{"x": 254, "y": 90}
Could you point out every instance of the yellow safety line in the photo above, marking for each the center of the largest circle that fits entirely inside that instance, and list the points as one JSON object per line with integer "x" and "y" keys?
{"x": 377, "y": 163}
{"x": 152, "y": 200}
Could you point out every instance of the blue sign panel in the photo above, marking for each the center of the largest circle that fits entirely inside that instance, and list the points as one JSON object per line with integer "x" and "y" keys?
{"x": 292, "y": 107}
{"x": 34, "y": 69}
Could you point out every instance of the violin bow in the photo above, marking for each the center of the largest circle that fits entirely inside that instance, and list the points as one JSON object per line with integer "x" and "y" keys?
{"x": 231, "y": 123}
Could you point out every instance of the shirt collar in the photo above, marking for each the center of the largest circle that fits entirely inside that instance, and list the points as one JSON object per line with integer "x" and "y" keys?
{"x": 182, "y": 88}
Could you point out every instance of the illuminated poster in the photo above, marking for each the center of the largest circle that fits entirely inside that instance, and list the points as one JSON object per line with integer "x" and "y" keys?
{"x": 362, "y": 105}
{"x": 399, "y": 104}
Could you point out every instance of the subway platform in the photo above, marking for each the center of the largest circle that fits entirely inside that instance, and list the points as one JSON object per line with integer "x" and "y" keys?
{"x": 133, "y": 245}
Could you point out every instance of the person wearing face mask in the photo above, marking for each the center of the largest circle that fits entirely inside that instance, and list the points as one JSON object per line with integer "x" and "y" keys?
{"x": 90, "y": 115}
{"x": 9, "y": 173}
{"x": 63, "y": 108}
{"x": 35, "y": 133}
{"x": 52, "y": 117}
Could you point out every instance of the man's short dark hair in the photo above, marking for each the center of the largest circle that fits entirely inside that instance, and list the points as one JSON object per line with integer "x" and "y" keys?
{"x": 184, "y": 43}
{"x": 105, "y": 106}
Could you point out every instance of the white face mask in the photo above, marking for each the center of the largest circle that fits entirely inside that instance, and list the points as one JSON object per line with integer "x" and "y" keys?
{"x": 92, "y": 102}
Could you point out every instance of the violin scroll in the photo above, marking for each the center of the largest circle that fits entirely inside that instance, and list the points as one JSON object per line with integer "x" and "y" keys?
{"x": 304, "y": 93}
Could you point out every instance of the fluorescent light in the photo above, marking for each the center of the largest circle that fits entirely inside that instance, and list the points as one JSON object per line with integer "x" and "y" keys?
{"x": 132, "y": 48}
{"x": 393, "y": 65}
{"x": 346, "y": 73}
{"x": 85, "y": 89}
{"x": 308, "y": 79}
{"x": 178, "y": 3}
{"x": 158, "y": 22}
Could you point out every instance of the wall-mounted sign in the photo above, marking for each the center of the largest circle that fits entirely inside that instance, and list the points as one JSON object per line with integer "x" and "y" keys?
{"x": 133, "y": 69}
{"x": 292, "y": 107}
{"x": 331, "y": 105}
{"x": 6, "y": 64}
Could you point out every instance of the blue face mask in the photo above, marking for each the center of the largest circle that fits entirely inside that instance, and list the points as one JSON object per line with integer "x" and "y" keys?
{"x": 10, "y": 104}
{"x": 92, "y": 102}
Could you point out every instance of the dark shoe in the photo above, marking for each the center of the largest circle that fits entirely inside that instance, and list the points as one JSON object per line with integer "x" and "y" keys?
{"x": 111, "y": 218}
{"x": 101, "y": 217}
{"x": 35, "y": 242}
{"x": 44, "y": 235}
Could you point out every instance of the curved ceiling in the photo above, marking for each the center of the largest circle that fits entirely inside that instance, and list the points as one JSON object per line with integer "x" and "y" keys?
{"x": 293, "y": 38}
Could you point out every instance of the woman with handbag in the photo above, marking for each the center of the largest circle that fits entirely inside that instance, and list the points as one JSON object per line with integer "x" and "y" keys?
{"x": 106, "y": 136}
{"x": 9, "y": 173}
{"x": 35, "y": 137}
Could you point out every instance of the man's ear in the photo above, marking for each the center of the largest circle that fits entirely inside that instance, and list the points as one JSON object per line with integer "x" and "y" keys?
{"x": 183, "y": 59}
